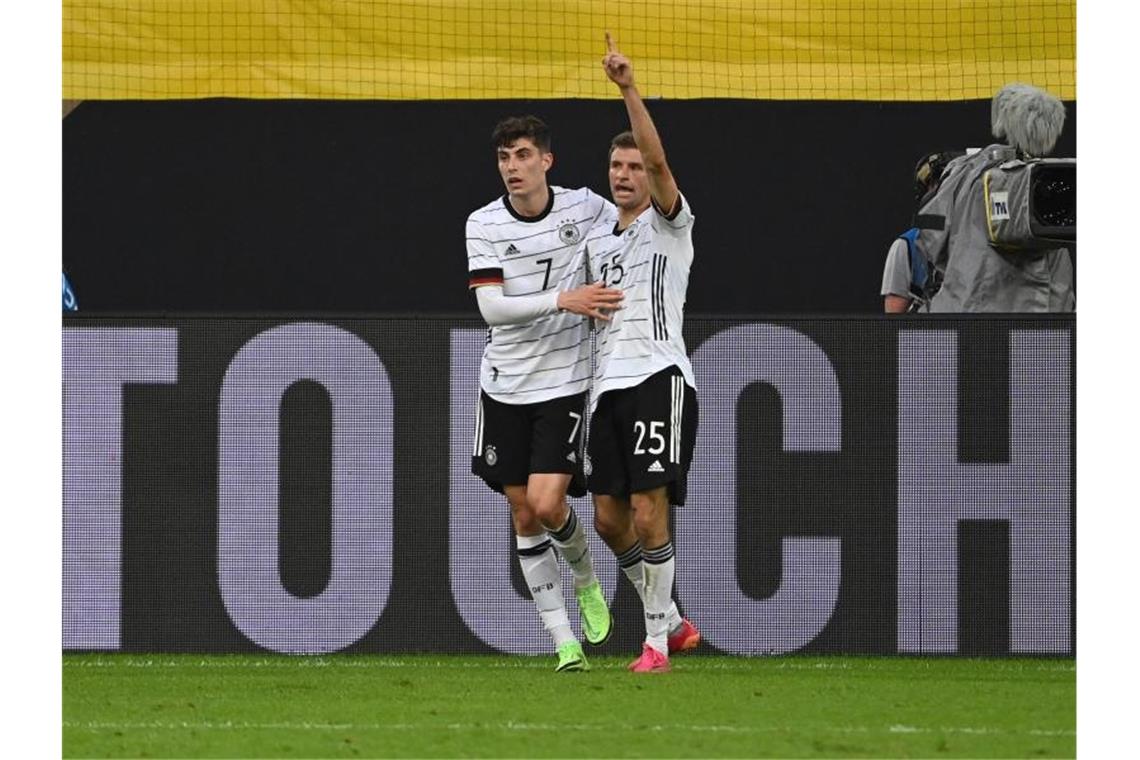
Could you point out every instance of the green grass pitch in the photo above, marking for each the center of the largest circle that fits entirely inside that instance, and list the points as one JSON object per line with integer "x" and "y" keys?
{"x": 501, "y": 706}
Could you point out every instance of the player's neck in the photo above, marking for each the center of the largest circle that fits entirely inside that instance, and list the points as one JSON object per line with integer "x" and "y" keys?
{"x": 531, "y": 204}
{"x": 626, "y": 216}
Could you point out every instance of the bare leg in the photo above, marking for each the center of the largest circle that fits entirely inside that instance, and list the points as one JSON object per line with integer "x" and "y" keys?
{"x": 651, "y": 521}
{"x": 539, "y": 566}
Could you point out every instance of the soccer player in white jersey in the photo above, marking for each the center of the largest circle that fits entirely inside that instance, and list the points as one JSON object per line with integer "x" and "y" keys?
{"x": 525, "y": 258}
{"x": 644, "y": 422}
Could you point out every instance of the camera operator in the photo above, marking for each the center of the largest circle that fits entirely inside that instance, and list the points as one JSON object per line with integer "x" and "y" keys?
{"x": 960, "y": 229}
{"x": 908, "y": 279}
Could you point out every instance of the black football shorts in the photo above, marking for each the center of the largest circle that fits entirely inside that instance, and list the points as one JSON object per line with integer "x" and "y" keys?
{"x": 512, "y": 441}
{"x": 642, "y": 437}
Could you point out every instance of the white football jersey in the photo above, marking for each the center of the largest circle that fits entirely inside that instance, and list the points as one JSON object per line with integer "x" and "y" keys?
{"x": 548, "y": 357}
{"x": 649, "y": 261}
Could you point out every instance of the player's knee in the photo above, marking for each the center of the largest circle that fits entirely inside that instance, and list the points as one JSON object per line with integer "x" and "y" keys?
{"x": 650, "y": 513}
{"x": 647, "y": 503}
{"x": 607, "y": 526}
{"x": 645, "y": 523}
{"x": 549, "y": 509}
{"x": 525, "y": 520}
{"x": 610, "y": 523}
{"x": 526, "y": 523}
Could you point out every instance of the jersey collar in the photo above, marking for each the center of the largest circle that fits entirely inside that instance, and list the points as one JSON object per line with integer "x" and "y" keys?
{"x": 530, "y": 219}
{"x": 639, "y": 219}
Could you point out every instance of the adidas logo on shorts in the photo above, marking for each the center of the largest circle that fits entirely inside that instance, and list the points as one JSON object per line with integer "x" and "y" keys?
{"x": 656, "y": 466}
{"x": 571, "y": 457}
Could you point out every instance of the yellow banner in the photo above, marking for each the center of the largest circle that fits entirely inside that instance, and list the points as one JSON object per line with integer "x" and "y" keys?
{"x": 448, "y": 49}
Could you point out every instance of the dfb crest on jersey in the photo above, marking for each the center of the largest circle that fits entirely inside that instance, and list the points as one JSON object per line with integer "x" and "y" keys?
{"x": 490, "y": 456}
{"x": 569, "y": 233}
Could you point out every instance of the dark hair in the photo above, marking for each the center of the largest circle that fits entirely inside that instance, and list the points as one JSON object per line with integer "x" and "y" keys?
{"x": 928, "y": 173}
{"x": 512, "y": 128}
{"x": 622, "y": 140}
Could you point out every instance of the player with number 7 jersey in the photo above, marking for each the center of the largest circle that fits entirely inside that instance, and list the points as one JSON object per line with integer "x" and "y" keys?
{"x": 534, "y": 256}
{"x": 525, "y": 261}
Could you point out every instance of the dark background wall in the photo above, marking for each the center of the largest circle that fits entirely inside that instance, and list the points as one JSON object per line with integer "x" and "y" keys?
{"x": 233, "y": 205}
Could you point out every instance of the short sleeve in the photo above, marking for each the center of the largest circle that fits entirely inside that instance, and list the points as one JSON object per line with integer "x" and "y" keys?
{"x": 483, "y": 265}
{"x": 896, "y": 271}
{"x": 678, "y": 222}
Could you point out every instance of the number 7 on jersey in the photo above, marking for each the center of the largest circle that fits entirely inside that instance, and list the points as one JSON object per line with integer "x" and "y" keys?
{"x": 545, "y": 277}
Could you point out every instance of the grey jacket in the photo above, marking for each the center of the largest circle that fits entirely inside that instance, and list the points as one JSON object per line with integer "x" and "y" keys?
{"x": 976, "y": 276}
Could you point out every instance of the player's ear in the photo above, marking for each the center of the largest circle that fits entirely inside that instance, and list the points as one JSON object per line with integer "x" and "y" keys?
{"x": 547, "y": 160}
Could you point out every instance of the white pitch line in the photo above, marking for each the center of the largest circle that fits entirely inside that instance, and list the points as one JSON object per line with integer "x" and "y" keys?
{"x": 899, "y": 729}
{"x": 898, "y": 665}
{"x": 518, "y": 726}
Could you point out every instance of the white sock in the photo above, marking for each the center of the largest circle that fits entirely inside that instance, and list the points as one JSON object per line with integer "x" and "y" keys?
{"x": 659, "y": 572}
{"x": 571, "y": 542}
{"x": 540, "y": 569}
{"x": 673, "y": 616}
{"x": 631, "y": 563}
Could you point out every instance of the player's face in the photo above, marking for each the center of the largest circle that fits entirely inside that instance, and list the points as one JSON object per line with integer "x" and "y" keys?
{"x": 629, "y": 184}
{"x": 523, "y": 167}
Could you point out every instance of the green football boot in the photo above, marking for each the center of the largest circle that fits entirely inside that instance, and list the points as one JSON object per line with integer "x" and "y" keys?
{"x": 571, "y": 658}
{"x": 597, "y": 622}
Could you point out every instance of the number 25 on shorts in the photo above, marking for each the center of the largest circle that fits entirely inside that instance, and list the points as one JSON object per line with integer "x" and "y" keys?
{"x": 656, "y": 439}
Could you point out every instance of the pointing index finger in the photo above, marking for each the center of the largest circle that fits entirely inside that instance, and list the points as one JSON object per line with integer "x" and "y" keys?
{"x": 610, "y": 43}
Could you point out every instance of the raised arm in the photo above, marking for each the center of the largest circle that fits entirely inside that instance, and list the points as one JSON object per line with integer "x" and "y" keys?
{"x": 662, "y": 186}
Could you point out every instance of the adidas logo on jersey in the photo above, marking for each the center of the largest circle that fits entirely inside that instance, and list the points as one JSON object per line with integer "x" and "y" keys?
{"x": 571, "y": 457}
{"x": 656, "y": 466}
{"x": 512, "y": 250}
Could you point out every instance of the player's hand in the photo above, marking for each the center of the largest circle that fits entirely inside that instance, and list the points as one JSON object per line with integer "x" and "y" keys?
{"x": 593, "y": 300}
{"x": 617, "y": 66}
